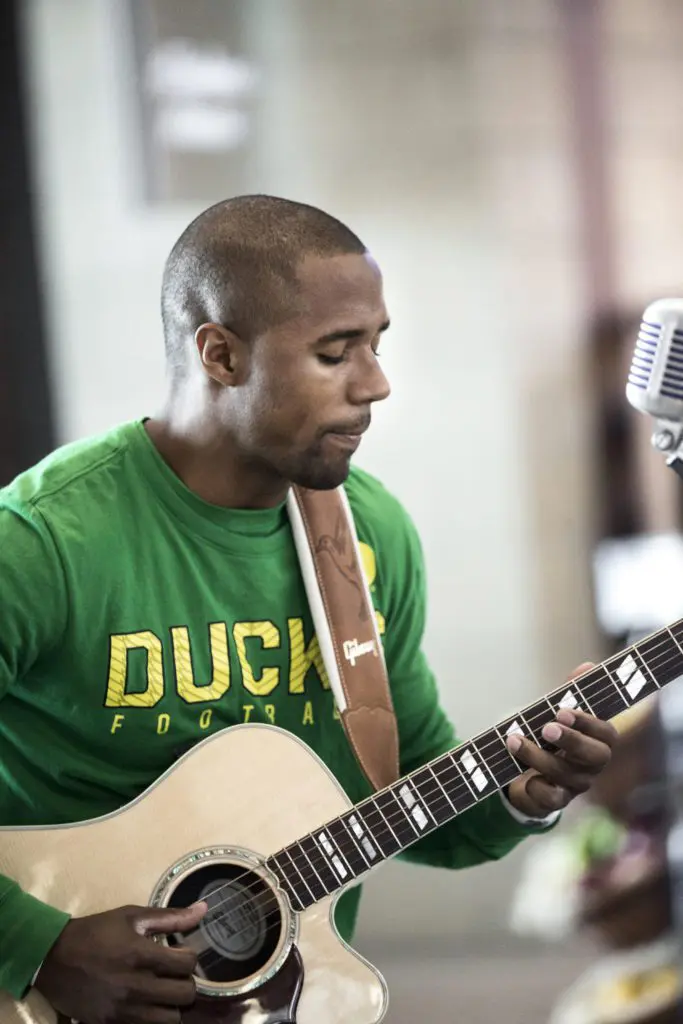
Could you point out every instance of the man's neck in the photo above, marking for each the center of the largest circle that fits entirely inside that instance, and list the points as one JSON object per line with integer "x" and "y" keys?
{"x": 212, "y": 468}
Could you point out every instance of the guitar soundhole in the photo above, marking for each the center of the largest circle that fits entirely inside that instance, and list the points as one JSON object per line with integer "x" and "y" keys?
{"x": 242, "y": 927}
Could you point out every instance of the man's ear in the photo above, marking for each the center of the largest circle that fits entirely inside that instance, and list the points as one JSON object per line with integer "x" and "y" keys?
{"x": 222, "y": 353}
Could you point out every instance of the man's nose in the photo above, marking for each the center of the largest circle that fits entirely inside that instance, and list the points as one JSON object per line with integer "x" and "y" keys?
{"x": 370, "y": 384}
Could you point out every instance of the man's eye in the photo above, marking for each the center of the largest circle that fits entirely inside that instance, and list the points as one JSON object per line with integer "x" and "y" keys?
{"x": 327, "y": 360}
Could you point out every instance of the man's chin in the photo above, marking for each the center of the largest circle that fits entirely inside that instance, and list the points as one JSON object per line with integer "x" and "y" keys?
{"x": 324, "y": 477}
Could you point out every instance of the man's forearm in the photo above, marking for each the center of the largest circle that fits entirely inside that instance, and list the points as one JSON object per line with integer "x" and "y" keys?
{"x": 28, "y": 930}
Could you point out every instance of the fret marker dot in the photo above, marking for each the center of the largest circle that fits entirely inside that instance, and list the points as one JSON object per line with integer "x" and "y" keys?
{"x": 569, "y": 701}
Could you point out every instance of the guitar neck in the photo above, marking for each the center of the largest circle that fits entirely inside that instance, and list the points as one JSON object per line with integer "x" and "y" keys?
{"x": 393, "y": 819}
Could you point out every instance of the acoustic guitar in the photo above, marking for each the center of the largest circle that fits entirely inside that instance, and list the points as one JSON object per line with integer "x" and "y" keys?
{"x": 252, "y": 822}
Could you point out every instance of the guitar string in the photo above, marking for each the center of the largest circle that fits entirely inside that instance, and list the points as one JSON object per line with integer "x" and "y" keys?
{"x": 401, "y": 816}
{"x": 532, "y": 723}
{"x": 593, "y": 691}
{"x": 506, "y": 754}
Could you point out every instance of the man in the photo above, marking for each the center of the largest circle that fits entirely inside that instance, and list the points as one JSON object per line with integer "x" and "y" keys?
{"x": 151, "y": 592}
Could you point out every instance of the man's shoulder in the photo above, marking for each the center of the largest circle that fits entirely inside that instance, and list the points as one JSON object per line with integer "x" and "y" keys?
{"x": 376, "y": 509}
{"x": 73, "y": 467}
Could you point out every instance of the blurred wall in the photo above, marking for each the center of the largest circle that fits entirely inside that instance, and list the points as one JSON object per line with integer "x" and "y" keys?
{"x": 441, "y": 131}
{"x": 439, "y": 135}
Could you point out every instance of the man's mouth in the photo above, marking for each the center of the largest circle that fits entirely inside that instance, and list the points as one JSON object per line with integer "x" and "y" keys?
{"x": 348, "y": 435}
{"x": 348, "y": 441}
{"x": 356, "y": 429}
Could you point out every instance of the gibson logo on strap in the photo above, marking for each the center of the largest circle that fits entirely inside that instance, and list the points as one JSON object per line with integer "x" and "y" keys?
{"x": 353, "y": 650}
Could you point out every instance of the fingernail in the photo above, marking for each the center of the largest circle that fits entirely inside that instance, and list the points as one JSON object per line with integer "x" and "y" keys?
{"x": 566, "y": 716}
{"x": 514, "y": 744}
{"x": 552, "y": 731}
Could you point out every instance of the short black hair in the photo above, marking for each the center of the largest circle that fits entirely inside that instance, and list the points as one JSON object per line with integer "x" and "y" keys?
{"x": 236, "y": 265}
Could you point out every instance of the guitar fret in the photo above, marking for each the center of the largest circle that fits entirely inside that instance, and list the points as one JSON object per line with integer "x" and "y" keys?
{"x": 397, "y": 817}
{"x": 626, "y": 672}
{"x": 528, "y": 723}
{"x": 310, "y": 850}
{"x": 601, "y": 695}
{"x": 517, "y": 766}
{"x": 449, "y": 802}
{"x": 638, "y": 658}
{"x": 474, "y": 769}
{"x": 433, "y": 794}
{"x": 571, "y": 697}
{"x": 379, "y": 827}
{"x": 304, "y": 874}
{"x": 333, "y": 854}
{"x": 352, "y": 855}
{"x": 291, "y": 881}
{"x": 365, "y": 838}
{"x": 676, "y": 631}
{"x": 354, "y": 836}
{"x": 313, "y": 879}
{"x": 510, "y": 727}
{"x": 663, "y": 657}
{"x": 457, "y": 788}
{"x": 574, "y": 696}
{"x": 588, "y": 706}
{"x": 454, "y": 776}
{"x": 417, "y": 808}
{"x": 537, "y": 717}
{"x": 497, "y": 758}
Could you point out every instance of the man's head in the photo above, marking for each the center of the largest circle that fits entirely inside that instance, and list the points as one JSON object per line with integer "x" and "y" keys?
{"x": 272, "y": 314}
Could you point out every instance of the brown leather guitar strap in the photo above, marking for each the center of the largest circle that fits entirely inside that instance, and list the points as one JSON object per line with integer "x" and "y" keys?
{"x": 346, "y": 627}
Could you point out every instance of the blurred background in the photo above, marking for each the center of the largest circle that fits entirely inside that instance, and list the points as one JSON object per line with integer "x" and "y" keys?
{"x": 516, "y": 169}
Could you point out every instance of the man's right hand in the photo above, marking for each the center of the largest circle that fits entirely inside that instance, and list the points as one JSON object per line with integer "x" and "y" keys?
{"x": 105, "y": 969}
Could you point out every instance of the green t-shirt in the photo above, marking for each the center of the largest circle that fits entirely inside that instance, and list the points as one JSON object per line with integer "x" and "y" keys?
{"x": 136, "y": 619}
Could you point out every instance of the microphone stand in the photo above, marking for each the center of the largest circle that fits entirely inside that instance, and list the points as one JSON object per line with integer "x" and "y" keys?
{"x": 668, "y": 439}
{"x": 670, "y": 714}
{"x": 675, "y": 462}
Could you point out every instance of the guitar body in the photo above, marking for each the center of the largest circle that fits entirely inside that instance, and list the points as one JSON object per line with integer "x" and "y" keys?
{"x": 207, "y": 826}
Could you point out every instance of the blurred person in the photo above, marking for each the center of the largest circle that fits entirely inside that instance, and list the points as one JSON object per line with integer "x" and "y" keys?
{"x": 607, "y": 875}
{"x": 176, "y": 525}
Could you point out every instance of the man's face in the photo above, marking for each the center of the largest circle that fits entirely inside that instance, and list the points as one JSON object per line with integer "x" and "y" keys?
{"x": 311, "y": 382}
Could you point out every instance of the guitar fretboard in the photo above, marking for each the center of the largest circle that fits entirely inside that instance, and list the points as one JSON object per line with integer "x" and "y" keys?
{"x": 388, "y": 822}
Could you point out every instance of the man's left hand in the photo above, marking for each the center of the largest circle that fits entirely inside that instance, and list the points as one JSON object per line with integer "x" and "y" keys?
{"x": 583, "y": 748}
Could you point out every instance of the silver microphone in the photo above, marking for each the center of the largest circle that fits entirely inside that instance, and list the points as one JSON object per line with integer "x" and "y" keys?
{"x": 655, "y": 380}
{"x": 655, "y": 387}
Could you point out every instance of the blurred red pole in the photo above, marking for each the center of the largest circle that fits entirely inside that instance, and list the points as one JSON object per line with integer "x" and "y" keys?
{"x": 26, "y": 425}
{"x": 583, "y": 42}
